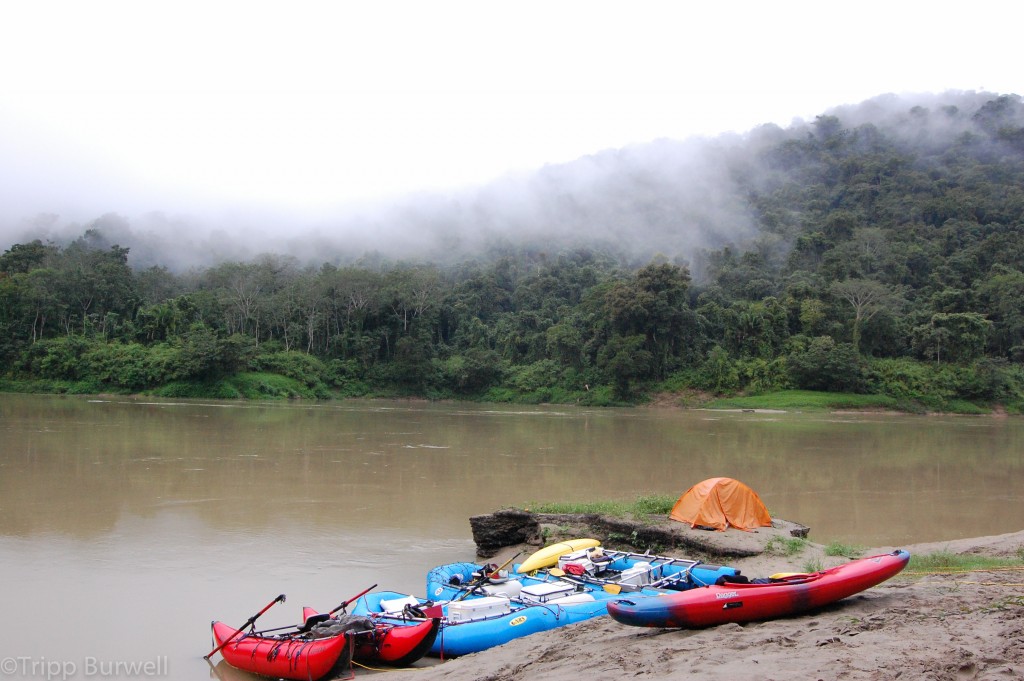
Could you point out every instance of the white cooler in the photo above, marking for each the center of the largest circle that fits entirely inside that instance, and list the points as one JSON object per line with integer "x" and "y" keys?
{"x": 638, "y": 575}
{"x": 508, "y": 589}
{"x": 545, "y": 593}
{"x": 478, "y": 608}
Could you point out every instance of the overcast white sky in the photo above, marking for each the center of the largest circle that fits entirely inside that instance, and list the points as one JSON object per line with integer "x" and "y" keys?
{"x": 130, "y": 106}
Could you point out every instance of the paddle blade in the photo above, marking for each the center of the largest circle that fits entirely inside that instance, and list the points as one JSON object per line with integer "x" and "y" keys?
{"x": 613, "y": 588}
{"x": 433, "y": 612}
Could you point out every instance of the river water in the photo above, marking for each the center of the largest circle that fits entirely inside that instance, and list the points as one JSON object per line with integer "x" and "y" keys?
{"x": 126, "y": 525}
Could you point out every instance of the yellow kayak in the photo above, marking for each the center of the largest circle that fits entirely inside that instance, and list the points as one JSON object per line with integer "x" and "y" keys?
{"x": 548, "y": 556}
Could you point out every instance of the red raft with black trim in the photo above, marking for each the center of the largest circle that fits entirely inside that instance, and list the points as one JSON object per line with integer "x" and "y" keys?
{"x": 732, "y": 602}
{"x": 308, "y": 654}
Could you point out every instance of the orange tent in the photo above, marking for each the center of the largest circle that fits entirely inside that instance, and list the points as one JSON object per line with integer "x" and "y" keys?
{"x": 719, "y": 503}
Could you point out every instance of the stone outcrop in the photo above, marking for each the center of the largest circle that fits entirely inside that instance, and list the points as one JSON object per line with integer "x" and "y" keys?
{"x": 507, "y": 527}
{"x": 510, "y": 527}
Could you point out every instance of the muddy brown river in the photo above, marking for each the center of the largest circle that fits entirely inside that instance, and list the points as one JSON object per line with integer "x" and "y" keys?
{"x": 126, "y": 525}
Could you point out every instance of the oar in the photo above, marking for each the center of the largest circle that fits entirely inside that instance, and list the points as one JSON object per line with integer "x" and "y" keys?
{"x": 484, "y": 576}
{"x": 354, "y": 598}
{"x": 319, "y": 617}
{"x": 248, "y": 623}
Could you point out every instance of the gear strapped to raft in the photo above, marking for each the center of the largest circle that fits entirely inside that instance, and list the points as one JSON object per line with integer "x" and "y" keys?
{"x": 344, "y": 624}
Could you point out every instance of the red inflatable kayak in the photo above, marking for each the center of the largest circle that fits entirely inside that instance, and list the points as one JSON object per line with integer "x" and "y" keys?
{"x": 286, "y": 658}
{"x": 307, "y": 656}
{"x": 731, "y": 602}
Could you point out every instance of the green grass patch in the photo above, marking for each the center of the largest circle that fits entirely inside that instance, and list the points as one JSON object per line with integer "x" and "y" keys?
{"x": 964, "y": 407}
{"x": 807, "y": 400}
{"x": 813, "y": 565}
{"x": 653, "y": 504}
{"x": 57, "y": 387}
{"x": 597, "y": 397}
{"x": 207, "y": 390}
{"x": 850, "y": 551}
{"x": 784, "y": 546}
{"x": 945, "y": 561}
{"x": 613, "y": 508}
{"x": 264, "y": 386}
{"x": 251, "y": 386}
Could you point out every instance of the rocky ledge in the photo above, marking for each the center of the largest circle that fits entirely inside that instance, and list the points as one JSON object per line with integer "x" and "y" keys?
{"x": 658, "y": 534}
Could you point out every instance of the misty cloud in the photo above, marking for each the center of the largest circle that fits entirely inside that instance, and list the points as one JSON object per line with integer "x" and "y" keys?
{"x": 670, "y": 198}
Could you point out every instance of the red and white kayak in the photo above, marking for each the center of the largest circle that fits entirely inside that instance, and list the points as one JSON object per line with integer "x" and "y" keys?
{"x": 730, "y": 602}
{"x": 305, "y": 656}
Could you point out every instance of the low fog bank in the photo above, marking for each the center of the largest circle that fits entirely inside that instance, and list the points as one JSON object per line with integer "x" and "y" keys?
{"x": 668, "y": 198}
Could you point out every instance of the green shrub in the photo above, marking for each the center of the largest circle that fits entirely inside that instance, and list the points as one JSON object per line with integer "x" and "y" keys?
{"x": 764, "y": 376}
{"x": 500, "y": 395}
{"x": 472, "y": 372}
{"x": 347, "y": 378}
{"x": 297, "y": 365}
{"x": 717, "y": 373}
{"x": 988, "y": 380}
{"x": 262, "y": 386}
{"x": 531, "y": 377}
{"x": 600, "y": 396}
{"x": 56, "y": 358}
{"x": 827, "y": 365}
{"x": 131, "y": 365}
{"x": 903, "y": 379}
{"x": 216, "y": 390}
{"x": 200, "y": 354}
{"x": 947, "y": 386}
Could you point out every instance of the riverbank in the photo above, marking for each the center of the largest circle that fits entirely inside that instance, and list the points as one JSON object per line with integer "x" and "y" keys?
{"x": 967, "y": 625}
{"x": 275, "y": 387}
{"x": 812, "y": 400}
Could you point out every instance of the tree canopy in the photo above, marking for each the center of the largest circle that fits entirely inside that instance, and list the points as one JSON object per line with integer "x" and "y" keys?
{"x": 886, "y": 255}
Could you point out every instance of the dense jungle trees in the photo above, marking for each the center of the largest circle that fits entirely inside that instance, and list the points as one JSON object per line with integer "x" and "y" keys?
{"x": 889, "y": 258}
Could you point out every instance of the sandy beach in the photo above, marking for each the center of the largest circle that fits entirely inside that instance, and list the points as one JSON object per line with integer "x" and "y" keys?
{"x": 933, "y": 626}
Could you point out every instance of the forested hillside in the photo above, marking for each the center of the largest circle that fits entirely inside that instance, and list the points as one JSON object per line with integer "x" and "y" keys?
{"x": 878, "y": 249}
